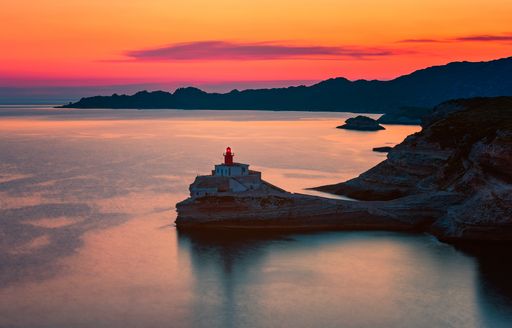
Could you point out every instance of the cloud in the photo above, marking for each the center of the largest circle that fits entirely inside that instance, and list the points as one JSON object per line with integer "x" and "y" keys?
{"x": 224, "y": 50}
{"x": 485, "y": 38}
{"x": 420, "y": 41}
{"x": 464, "y": 38}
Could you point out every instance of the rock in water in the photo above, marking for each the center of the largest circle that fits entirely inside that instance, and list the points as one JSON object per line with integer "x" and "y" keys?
{"x": 361, "y": 123}
{"x": 385, "y": 149}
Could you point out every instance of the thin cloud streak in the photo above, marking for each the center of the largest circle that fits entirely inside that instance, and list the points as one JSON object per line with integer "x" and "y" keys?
{"x": 224, "y": 50}
{"x": 466, "y": 38}
{"x": 421, "y": 41}
{"x": 486, "y": 38}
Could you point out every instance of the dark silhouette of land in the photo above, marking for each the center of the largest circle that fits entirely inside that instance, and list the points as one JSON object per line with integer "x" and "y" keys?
{"x": 361, "y": 123}
{"x": 421, "y": 89}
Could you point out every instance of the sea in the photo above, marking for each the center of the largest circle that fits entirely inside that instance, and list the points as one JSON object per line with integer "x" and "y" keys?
{"x": 87, "y": 235}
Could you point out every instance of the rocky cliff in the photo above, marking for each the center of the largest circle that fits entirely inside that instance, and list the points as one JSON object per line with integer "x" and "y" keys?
{"x": 284, "y": 210}
{"x": 453, "y": 179}
{"x": 464, "y": 148}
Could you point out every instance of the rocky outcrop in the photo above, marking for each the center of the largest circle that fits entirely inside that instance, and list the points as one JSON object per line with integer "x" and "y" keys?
{"x": 284, "y": 210}
{"x": 453, "y": 179}
{"x": 361, "y": 123}
{"x": 464, "y": 148}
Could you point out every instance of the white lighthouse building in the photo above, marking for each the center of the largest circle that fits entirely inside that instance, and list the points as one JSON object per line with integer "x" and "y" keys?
{"x": 229, "y": 168}
{"x": 228, "y": 177}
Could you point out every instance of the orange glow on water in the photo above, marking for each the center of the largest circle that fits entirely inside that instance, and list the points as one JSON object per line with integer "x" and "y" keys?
{"x": 95, "y": 191}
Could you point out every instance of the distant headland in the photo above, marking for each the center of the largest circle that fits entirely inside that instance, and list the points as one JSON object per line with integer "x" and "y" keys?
{"x": 421, "y": 89}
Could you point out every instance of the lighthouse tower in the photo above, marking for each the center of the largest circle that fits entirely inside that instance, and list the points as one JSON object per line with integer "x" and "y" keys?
{"x": 230, "y": 168}
{"x": 228, "y": 157}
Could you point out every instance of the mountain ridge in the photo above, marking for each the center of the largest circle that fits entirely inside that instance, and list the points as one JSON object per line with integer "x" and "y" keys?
{"x": 422, "y": 88}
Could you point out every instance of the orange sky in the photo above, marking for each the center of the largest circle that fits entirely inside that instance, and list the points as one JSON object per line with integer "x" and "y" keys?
{"x": 89, "y": 42}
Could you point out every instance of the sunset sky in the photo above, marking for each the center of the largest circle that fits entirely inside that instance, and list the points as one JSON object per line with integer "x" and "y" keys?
{"x": 225, "y": 44}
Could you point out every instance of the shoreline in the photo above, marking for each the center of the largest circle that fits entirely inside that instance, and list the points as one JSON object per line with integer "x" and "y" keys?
{"x": 451, "y": 179}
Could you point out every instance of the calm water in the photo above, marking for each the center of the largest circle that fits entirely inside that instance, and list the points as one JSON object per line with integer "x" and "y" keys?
{"x": 86, "y": 236}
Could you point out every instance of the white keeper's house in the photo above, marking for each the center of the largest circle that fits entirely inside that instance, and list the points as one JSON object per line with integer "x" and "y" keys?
{"x": 228, "y": 177}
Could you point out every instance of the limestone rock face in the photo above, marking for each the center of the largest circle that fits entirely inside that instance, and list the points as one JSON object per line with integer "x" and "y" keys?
{"x": 487, "y": 184}
{"x": 410, "y": 168}
{"x": 453, "y": 179}
{"x": 465, "y": 147}
{"x": 284, "y": 210}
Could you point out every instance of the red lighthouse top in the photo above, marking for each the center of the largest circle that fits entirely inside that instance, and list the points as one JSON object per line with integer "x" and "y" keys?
{"x": 228, "y": 156}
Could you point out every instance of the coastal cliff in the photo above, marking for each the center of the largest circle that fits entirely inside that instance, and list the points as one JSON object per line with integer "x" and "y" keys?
{"x": 464, "y": 148}
{"x": 284, "y": 210}
{"x": 452, "y": 179}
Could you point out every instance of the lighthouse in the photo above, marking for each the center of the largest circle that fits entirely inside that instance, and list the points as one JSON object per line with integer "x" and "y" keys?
{"x": 230, "y": 168}
{"x": 227, "y": 177}
{"x": 228, "y": 157}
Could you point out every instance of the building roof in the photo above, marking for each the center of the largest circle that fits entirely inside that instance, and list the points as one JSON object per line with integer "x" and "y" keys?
{"x": 234, "y": 164}
{"x": 207, "y": 182}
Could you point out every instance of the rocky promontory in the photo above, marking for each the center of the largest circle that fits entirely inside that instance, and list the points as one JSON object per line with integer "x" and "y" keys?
{"x": 361, "y": 123}
{"x": 452, "y": 179}
{"x": 464, "y": 148}
{"x": 278, "y": 209}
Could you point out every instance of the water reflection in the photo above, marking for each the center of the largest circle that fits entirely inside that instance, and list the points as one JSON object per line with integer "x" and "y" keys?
{"x": 68, "y": 179}
{"x": 34, "y": 238}
{"x": 223, "y": 262}
{"x": 356, "y": 279}
{"x": 493, "y": 282}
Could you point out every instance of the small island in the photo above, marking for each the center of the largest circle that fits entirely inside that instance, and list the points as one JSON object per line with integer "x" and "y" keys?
{"x": 361, "y": 123}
